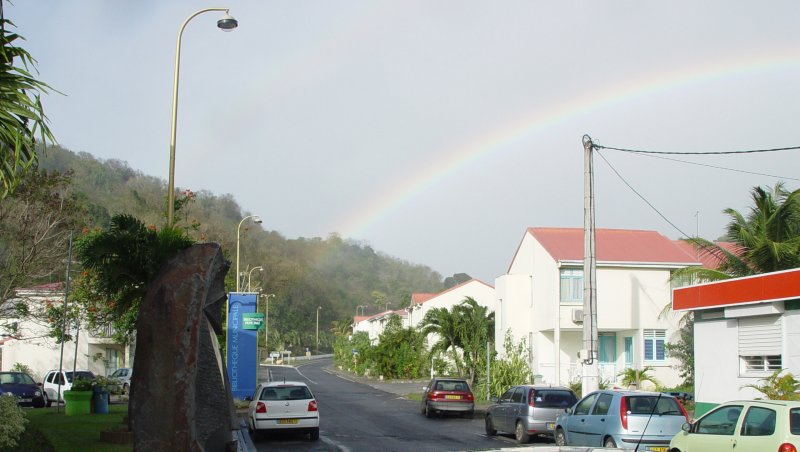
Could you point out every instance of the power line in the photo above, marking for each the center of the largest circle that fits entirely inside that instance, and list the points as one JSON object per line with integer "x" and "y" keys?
{"x": 639, "y": 194}
{"x": 752, "y": 151}
{"x": 709, "y": 166}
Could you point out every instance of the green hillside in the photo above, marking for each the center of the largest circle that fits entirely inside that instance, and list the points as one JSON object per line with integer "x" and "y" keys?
{"x": 305, "y": 273}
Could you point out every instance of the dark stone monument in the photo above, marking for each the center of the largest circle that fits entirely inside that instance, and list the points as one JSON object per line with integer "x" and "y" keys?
{"x": 180, "y": 394}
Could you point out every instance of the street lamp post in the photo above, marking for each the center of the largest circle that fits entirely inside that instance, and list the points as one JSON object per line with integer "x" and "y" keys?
{"x": 250, "y": 273}
{"x": 256, "y": 219}
{"x": 318, "y": 308}
{"x": 226, "y": 23}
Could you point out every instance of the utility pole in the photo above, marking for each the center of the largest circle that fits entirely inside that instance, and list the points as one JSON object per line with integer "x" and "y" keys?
{"x": 590, "y": 370}
{"x": 318, "y": 308}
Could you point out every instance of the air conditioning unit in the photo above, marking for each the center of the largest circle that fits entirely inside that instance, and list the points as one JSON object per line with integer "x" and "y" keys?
{"x": 577, "y": 315}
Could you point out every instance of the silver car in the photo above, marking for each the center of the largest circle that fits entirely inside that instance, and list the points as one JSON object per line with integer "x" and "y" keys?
{"x": 623, "y": 419}
{"x": 528, "y": 410}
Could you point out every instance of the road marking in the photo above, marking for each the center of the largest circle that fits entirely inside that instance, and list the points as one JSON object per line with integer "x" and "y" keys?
{"x": 301, "y": 374}
{"x": 333, "y": 443}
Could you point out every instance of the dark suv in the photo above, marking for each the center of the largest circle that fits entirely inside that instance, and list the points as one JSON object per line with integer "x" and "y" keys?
{"x": 447, "y": 395}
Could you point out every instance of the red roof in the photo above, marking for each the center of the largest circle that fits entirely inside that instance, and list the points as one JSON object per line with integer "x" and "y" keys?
{"x": 766, "y": 287}
{"x": 613, "y": 245}
{"x": 419, "y": 298}
{"x": 708, "y": 260}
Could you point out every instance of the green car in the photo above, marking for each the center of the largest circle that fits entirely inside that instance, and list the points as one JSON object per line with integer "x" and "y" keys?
{"x": 743, "y": 426}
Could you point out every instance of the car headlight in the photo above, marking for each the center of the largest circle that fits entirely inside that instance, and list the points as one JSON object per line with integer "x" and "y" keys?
{"x": 37, "y": 393}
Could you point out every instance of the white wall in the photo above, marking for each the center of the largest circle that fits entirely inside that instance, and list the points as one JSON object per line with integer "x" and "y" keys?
{"x": 716, "y": 360}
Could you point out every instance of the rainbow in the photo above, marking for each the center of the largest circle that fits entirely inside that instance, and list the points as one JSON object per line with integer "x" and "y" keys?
{"x": 494, "y": 141}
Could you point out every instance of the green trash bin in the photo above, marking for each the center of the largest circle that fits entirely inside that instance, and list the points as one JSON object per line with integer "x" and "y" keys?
{"x": 78, "y": 402}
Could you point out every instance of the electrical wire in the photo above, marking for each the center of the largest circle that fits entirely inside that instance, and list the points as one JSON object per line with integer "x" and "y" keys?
{"x": 639, "y": 194}
{"x": 752, "y": 151}
{"x": 709, "y": 166}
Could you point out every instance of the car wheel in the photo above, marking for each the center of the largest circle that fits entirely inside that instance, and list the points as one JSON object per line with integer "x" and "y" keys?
{"x": 561, "y": 439}
{"x": 521, "y": 434}
{"x": 609, "y": 442}
{"x": 490, "y": 430}
{"x": 428, "y": 411}
{"x": 47, "y": 401}
{"x": 314, "y": 434}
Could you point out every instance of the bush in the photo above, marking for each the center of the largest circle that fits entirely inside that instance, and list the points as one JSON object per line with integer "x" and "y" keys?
{"x": 82, "y": 384}
{"x": 13, "y": 423}
{"x": 19, "y": 367}
{"x": 511, "y": 371}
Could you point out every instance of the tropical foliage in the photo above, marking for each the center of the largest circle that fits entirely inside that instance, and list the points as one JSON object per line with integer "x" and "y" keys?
{"x": 22, "y": 118}
{"x": 400, "y": 352}
{"x": 513, "y": 369}
{"x": 634, "y": 377}
{"x": 13, "y": 424}
{"x": 778, "y": 387}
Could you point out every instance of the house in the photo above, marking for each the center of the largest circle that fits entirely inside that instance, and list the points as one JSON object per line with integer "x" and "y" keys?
{"x": 745, "y": 329}
{"x": 540, "y": 301}
{"x": 375, "y": 324}
{"x": 422, "y": 303}
{"x": 32, "y": 346}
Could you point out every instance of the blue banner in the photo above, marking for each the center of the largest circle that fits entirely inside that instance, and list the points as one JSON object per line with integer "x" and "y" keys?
{"x": 241, "y": 345}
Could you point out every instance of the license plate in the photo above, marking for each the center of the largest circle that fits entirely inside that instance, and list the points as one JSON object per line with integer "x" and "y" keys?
{"x": 25, "y": 400}
{"x": 452, "y": 397}
{"x": 657, "y": 449}
{"x": 287, "y": 421}
{"x": 551, "y": 426}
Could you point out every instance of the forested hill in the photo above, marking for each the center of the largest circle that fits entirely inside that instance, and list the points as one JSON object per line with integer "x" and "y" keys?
{"x": 304, "y": 273}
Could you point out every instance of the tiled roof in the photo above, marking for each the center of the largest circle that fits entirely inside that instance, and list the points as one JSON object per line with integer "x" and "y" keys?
{"x": 613, "y": 245}
{"x": 419, "y": 298}
{"x": 708, "y": 260}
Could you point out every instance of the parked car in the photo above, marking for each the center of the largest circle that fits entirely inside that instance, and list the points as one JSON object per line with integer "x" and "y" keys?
{"x": 22, "y": 386}
{"x": 641, "y": 420}
{"x": 743, "y": 426}
{"x": 447, "y": 395}
{"x": 51, "y": 382}
{"x": 528, "y": 410}
{"x": 123, "y": 378}
{"x": 283, "y": 405}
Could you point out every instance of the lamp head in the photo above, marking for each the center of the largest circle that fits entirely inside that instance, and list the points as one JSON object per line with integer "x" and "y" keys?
{"x": 227, "y": 23}
{"x": 256, "y": 219}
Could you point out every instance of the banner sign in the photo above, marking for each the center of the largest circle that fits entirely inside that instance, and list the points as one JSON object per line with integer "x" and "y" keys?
{"x": 241, "y": 345}
{"x": 252, "y": 321}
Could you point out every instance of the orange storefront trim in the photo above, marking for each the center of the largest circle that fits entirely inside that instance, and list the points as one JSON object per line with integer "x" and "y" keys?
{"x": 775, "y": 286}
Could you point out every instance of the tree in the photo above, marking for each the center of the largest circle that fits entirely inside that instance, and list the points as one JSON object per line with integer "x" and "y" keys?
{"x": 400, "y": 352}
{"x": 22, "y": 117}
{"x": 683, "y": 349}
{"x": 635, "y": 377}
{"x": 445, "y": 325}
{"x": 456, "y": 279}
{"x": 475, "y": 329}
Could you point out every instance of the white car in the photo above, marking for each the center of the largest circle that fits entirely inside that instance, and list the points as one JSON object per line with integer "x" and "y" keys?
{"x": 50, "y": 383}
{"x": 123, "y": 377}
{"x": 283, "y": 405}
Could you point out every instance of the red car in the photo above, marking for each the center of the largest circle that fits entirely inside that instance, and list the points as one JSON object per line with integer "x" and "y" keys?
{"x": 448, "y": 395}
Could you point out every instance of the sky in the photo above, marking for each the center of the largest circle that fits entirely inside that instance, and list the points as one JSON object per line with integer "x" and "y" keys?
{"x": 434, "y": 131}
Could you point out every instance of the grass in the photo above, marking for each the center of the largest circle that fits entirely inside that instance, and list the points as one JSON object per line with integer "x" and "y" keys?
{"x": 47, "y": 430}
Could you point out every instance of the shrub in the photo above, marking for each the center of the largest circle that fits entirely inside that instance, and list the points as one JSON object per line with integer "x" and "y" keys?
{"x": 13, "y": 423}
{"x": 777, "y": 387}
{"x": 511, "y": 371}
{"x": 82, "y": 384}
{"x": 19, "y": 367}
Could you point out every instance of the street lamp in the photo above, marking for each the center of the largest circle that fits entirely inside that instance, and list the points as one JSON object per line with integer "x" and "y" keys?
{"x": 318, "y": 308}
{"x": 256, "y": 219}
{"x": 250, "y": 273}
{"x": 226, "y": 23}
{"x": 362, "y": 306}
{"x": 266, "y": 320}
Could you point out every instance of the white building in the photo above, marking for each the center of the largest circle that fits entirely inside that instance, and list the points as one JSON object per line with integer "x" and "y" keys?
{"x": 32, "y": 346}
{"x": 374, "y": 325}
{"x": 541, "y": 301}
{"x": 745, "y": 329}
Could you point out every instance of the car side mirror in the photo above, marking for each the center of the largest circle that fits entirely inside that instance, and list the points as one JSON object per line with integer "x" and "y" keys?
{"x": 568, "y": 410}
{"x": 686, "y": 427}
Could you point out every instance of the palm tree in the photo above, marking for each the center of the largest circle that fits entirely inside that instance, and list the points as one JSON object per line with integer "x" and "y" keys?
{"x": 22, "y": 118}
{"x": 475, "y": 329}
{"x": 341, "y": 327}
{"x": 635, "y": 377}
{"x": 766, "y": 240}
{"x": 445, "y": 325}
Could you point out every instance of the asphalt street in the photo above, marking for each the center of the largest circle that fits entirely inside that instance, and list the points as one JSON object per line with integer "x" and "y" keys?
{"x": 355, "y": 416}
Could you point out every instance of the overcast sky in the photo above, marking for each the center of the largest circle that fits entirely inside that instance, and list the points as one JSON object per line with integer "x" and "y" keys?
{"x": 435, "y": 131}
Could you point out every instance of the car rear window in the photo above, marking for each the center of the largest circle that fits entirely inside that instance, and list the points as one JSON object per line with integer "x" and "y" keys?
{"x": 451, "y": 385}
{"x": 552, "y": 398}
{"x": 286, "y": 393}
{"x": 644, "y": 405}
{"x": 80, "y": 374}
{"x": 794, "y": 421}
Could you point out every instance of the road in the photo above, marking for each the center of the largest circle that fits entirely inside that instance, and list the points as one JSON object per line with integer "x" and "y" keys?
{"x": 358, "y": 417}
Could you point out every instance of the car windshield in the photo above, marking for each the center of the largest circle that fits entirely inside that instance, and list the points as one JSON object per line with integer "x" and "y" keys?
{"x": 16, "y": 378}
{"x": 794, "y": 421}
{"x": 286, "y": 393}
{"x": 552, "y": 398}
{"x": 79, "y": 374}
{"x": 645, "y": 405}
{"x": 451, "y": 385}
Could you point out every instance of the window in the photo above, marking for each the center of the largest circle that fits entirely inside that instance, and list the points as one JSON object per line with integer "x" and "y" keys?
{"x": 759, "y": 422}
{"x": 720, "y": 422}
{"x": 654, "y": 341}
{"x": 571, "y": 285}
{"x": 519, "y": 396}
{"x": 602, "y": 405}
{"x": 760, "y": 342}
{"x": 751, "y": 364}
{"x": 582, "y": 408}
{"x": 608, "y": 347}
{"x": 506, "y": 397}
